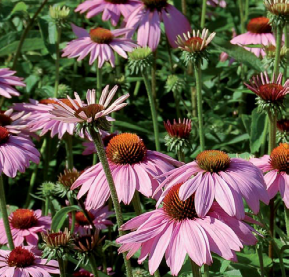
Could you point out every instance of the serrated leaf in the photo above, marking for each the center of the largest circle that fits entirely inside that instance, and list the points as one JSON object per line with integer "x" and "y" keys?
{"x": 257, "y": 130}
{"x": 61, "y": 215}
{"x": 238, "y": 53}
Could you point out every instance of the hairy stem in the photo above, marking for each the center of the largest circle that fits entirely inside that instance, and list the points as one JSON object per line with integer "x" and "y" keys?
{"x": 203, "y": 16}
{"x": 103, "y": 159}
{"x": 24, "y": 34}
{"x": 278, "y": 50}
{"x": 195, "y": 269}
{"x": 198, "y": 75}
{"x": 69, "y": 153}
{"x": 153, "y": 110}
{"x": 136, "y": 203}
{"x": 93, "y": 265}
{"x": 4, "y": 213}
{"x": 57, "y": 62}
{"x": 98, "y": 80}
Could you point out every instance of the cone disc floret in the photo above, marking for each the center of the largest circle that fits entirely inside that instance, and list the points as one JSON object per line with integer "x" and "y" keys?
{"x": 20, "y": 257}
{"x": 4, "y": 135}
{"x": 279, "y": 158}
{"x": 117, "y": 1}
{"x": 155, "y": 4}
{"x": 213, "y": 160}
{"x": 177, "y": 209}
{"x": 82, "y": 220}
{"x": 23, "y": 219}
{"x": 126, "y": 148}
{"x": 101, "y": 35}
{"x": 259, "y": 25}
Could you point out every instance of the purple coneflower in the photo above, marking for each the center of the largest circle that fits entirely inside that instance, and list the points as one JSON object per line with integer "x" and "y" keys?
{"x": 147, "y": 18}
{"x": 7, "y": 81}
{"x": 25, "y": 225}
{"x": 100, "y": 43}
{"x": 112, "y": 9}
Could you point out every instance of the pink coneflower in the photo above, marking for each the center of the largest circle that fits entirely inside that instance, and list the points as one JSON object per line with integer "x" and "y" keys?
{"x": 176, "y": 230}
{"x": 16, "y": 122}
{"x": 217, "y": 3}
{"x": 147, "y": 18}
{"x": 24, "y": 262}
{"x": 100, "y": 43}
{"x": 7, "y": 81}
{"x": 179, "y": 129}
{"x": 259, "y": 32}
{"x": 133, "y": 168}
{"x": 112, "y": 9}
{"x": 40, "y": 118}
{"x": 16, "y": 152}
{"x": 214, "y": 175}
{"x": 276, "y": 169}
{"x": 99, "y": 217}
{"x": 271, "y": 92}
{"x": 90, "y": 147}
{"x": 25, "y": 225}
{"x": 90, "y": 112}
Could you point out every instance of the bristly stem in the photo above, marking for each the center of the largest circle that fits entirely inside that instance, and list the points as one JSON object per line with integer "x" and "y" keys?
{"x": 278, "y": 50}
{"x": 198, "y": 75}
{"x": 195, "y": 269}
{"x": 24, "y": 34}
{"x": 93, "y": 265}
{"x": 98, "y": 80}
{"x": 181, "y": 155}
{"x": 203, "y": 16}
{"x": 272, "y": 144}
{"x": 153, "y": 110}
{"x": 57, "y": 62}
{"x": 61, "y": 267}
{"x": 69, "y": 153}
{"x": 241, "y": 9}
{"x": 260, "y": 255}
{"x": 206, "y": 271}
{"x": 33, "y": 176}
{"x": 136, "y": 203}
{"x": 287, "y": 220}
{"x": 286, "y": 70}
{"x": 4, "y": 213}
{"x": 184, "y": 7}
{"x": 154, "y": 77}
{"x": 103, "y": 159}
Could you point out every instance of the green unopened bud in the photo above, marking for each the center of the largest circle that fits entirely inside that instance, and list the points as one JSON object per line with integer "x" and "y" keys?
{"x": 175, "y": 84}
{"x": 269, "y": 59}
{"x": 140, "y": 59}
{"x": 278, "y": 12}
{"x": 139, "y": 272}
{"x": 63, "y": 90}
{"x": 47, "y": 189}
{"x": 59, "y": 14}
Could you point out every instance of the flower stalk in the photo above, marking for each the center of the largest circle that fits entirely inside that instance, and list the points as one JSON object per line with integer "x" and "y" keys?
{"x": 61, "y": 267}
{"x": 203, "y": 16}
{"x": 195, "y": 269}
{"x": 287, "y": 220}
{"x": 206, "y": 271}
{"x": 198, "y": 75}
{"x": 136, "y": 203}
{"x": 153, "y": 110}
{"x": 57, "y": 61}
{"x": 242, "y": 21}
{"x": 278, "y": 49}
{"x": 103, "y": 159}
{"x": 69, "y": 153}
{"x": 98, "y": 80}
{"x": 93, "y": 265}
{"x": 286, "y": 30}
{"x": 4, "y": 213}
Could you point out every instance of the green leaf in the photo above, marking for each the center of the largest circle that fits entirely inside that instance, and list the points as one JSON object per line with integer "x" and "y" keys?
{"x": 257, "y": 130}
{"x": 246, "y": 121}
{"x": 10, "y": 42}
{"x": 238, "y": 53}
{"x": 61, "y": 215}
{"x": 19, "y": 7}
{"x": 131, "y": 126}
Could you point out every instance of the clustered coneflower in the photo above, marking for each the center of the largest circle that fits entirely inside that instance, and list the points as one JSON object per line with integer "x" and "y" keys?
{"x": 278, "y": 11}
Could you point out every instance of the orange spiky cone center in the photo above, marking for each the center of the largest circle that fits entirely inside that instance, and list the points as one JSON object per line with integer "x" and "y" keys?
{"x": 23, "y": 219}
{"x": 259, "y": 25}
{"x": 20, "y": 257}
{"x": 279, "y": 158}
{"x": 101, "y": 35}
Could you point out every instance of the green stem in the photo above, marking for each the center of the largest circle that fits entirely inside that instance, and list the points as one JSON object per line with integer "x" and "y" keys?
{"x": 157, "y": 273}
{"x": 153, "y": 110}
{"x": 283, "y": 271}
{"x": 206, "y": 271}
{"x": 272, "y": 132}
{"x": 98, "y": 80}
{"x": 103, "y": 159}
{"x": 198, "y": 75}
{"x": 47, "y": 158}
{"x": 181, "y": 155}
{"x": 136, "y": 203}
{"x": 203, "y": 16}
{"x": 24, "y": 34}
{"x": 241, "y": 9}
{"x": 154, "y": 77}
{"x": 61, "y": 267}
{"x": 4, "y": 213}
{"x": 195, "y": 269}
{"x": 57, "y": 62}
{"x": 93, "y": 265}
{"x": 184, "y": 7}
{"x": 286, "y": 30}
{"x": 136, "y": 88}
{"x": 278, "y": 50}
{"x": 260, "y": 255}
{"x": 33, "y": 176}
{"x": 287, "y": 220}
{"x": 246, "y": 11}
{"x": 69, "y": 153}
{"x": 264, "y": 139}
{"x": 71, "y": 202}
{"x": 47, "y": 203}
